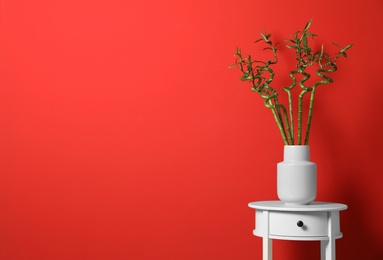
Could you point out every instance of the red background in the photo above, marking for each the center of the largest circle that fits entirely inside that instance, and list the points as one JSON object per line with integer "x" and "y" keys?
{"x": 124, "y": 135}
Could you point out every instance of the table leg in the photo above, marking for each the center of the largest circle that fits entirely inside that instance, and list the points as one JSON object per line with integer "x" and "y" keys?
{"x": 267, "y": 249}
{"x": 323, "y": 244}
{"x": 267, "y": 242}
{"x": 327, "y": 247}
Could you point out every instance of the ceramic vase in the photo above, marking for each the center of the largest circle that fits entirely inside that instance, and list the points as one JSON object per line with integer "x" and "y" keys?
{"x": 296, "y": 176}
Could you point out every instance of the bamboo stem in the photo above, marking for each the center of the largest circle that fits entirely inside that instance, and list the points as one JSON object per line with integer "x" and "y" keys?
{"x": 327, "y": 80}
{"x": 276, "y": 108}
{"x": 300, "y": 111}
{"x": 300, "y": 102}
{"x": 288, "y": 129}
{"x": 277, "y": 120}
{"x": 291, "y": 113}
{"x": 309, "y": 116}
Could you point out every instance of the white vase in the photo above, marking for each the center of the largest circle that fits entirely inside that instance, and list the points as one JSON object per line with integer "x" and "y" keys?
{"x": 296, "y": 176}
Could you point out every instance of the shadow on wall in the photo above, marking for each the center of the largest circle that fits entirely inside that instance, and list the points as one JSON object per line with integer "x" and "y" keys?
{"x": 361, "y": 226}
{"x": 360, "y": 223}
{"x": 351, "y": 174}
{"x": 356, "y": 181}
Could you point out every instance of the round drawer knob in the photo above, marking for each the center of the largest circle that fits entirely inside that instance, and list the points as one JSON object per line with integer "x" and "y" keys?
{"x": 300, "y": 223}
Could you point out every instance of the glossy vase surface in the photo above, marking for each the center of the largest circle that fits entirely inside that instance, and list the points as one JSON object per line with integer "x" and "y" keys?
{"x": 296, "y": 176}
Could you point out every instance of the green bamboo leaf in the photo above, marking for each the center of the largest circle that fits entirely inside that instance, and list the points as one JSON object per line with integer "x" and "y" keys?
{"x": 292, "y": 41}
{"x": 307, "y": 25}
{"x": 291, "y": 47}
{"x": 344, "y": 54}
{"x": 246, "y": 77}
{"x": 321, "y": 52}
{"x": 311, "y": 35}
{"x": 346, "y": 48}
{"x": 265, "y": 37}
{"x": 336, "y": 44}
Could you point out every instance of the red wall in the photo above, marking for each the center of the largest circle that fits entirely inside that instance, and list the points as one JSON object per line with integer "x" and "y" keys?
{"x": 124, "y": 135}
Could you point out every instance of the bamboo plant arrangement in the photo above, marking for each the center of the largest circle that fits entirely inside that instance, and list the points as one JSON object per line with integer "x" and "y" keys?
{"x": 260, "y": 74}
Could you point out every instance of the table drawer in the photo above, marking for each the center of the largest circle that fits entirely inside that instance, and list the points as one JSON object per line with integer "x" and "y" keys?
{"x": 298, "y": 224}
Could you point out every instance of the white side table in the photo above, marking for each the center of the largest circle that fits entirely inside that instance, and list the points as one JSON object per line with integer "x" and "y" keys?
{"x": 316, "y": 221}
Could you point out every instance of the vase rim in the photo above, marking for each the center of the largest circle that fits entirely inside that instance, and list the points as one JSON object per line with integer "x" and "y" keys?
{"x": 296, "y": 153}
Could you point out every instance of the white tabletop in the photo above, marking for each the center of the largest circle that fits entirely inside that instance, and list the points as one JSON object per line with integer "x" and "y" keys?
{"x": 277, "y": 205}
